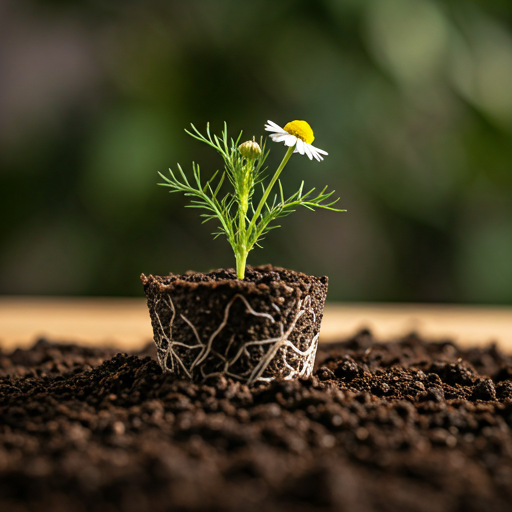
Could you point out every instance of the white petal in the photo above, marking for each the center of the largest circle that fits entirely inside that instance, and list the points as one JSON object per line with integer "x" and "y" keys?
{"x": 271, "y": 123}
{"x": 290, "y": 141}
{"x": 316, "y": 154}
{"x": 268, "y": 129}
{"x": 277, "y": 130}
{"x": 279, "y": 137}
{"x": 307, "y": 147}
{"x": 300, "y": 146}
{"x": 273, "y": 127}
{"x": 320, "y": 150}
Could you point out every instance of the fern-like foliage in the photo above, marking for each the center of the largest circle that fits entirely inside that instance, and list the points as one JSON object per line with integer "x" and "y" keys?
{"x": 243, "y": 223}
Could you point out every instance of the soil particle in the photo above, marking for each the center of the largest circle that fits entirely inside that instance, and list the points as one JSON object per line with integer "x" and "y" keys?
{"x": 484, "y": 390}
{"x": 407, "y": 425}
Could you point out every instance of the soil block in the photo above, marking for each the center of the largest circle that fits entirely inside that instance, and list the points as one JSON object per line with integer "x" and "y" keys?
{"x": 407, "y": 425}
{"x": 263, "y": 327}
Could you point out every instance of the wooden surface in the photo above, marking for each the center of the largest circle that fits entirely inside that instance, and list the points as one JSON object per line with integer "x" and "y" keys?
{"x": 124, "y": 322}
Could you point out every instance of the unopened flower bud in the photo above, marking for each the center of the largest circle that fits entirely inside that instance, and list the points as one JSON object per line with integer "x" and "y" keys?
{"x": 250, "y": 150}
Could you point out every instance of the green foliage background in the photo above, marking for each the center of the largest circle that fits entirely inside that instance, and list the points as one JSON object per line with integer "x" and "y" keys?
{"x": 411, "y": 98}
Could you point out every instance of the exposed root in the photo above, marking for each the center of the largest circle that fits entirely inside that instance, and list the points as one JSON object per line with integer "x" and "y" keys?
{"x": 167, "y": 353}
{"x": 292, "y": 361}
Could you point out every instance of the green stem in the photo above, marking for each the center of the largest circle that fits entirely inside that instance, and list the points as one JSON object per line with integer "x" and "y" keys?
{"x": 241, "y": 251}
{"x": 267, "y": 192}
{"x": 241, "y": 258}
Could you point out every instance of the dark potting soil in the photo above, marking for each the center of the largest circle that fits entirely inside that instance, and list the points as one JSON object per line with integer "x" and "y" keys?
{"x": 238, "y": 318}
{"x": 407, "y": 425}
{"x": 263, "y": 276}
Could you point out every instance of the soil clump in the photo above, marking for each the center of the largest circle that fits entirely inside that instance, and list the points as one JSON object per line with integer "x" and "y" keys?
{"x": 407, "y": 425}
{"x": 263, "y": 327}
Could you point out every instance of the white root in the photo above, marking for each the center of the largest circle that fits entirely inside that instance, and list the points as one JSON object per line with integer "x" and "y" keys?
{"x": 299, "y": 366}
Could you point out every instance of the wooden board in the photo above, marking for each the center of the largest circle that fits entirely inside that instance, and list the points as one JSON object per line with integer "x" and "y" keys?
{"x": 124, "y": 322}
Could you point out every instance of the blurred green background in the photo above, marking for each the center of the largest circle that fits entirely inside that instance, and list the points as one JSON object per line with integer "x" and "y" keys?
{"x": 411, "y": 98}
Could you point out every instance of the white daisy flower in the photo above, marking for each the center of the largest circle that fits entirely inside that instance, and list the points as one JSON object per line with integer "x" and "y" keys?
{"x": 298, "y": 134}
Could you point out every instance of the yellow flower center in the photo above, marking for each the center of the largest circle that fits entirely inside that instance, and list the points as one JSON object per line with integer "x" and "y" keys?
{"x": 301, "y": 130}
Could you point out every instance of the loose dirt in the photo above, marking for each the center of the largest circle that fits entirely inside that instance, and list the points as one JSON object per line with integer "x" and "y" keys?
{"x": 408, "y": 425}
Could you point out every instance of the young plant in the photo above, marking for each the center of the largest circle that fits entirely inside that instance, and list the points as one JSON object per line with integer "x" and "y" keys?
{"x": 243, "y": 219}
